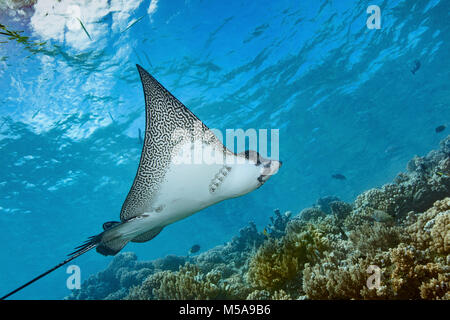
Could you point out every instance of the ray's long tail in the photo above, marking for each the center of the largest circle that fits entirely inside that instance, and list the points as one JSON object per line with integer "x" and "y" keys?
{"x": 107, "y": 243}
{"x": 89, "y": 244}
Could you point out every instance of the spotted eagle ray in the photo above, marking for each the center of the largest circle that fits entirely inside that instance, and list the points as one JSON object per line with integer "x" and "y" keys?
{"x": 170, "y": 186}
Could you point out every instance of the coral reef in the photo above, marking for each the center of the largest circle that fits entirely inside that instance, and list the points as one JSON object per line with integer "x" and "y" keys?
{"x": 113, "y": 283}
{"x": 432, "y": 229}
{"x": 161, "y": 278}
{"x": 278, "y": 262}
{"x": 427, "y": 180}
{"x": 312, "y": 213}
{"x": 324, "y": 204}
{"x": 187, "y": 283}
{"x": 278, "y": 223}
{"x": 413, "y": 260}
{"x": 391, "y": 243}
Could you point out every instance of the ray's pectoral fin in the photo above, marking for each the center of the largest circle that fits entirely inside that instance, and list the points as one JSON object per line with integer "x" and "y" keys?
{"x": 109, "y": 224}
{"x": 147, "y": 236}
{"x": 108, "y": 243}
{"x": 111, "y": 247}
{"x": 115, "y": 236}
{"x": 116, "y": 243}
{"x": 166, "y": 118}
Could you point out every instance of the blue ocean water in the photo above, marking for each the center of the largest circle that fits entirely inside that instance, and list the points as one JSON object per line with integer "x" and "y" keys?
{"x": 342, "y": 95}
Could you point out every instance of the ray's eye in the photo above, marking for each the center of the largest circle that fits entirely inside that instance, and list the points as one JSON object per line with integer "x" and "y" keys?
{"x": 253, "y": 155}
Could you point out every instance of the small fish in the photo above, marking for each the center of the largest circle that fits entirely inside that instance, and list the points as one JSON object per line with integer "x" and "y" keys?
{"x": 338, "y": 176}
{"x": 133, "y": 23}
{"x": 87, "y": 33}
{"x": 147, "y": 58}
{"x": 35, "y": 114}
{"x": 140, "y": 136}
{"x": 416, "y": 67}
{"x": 110, "y": 115}
{"x": 6, "y": 119}
{"x": 137, "y": 55}
{"x": 440, "y": 128}
{"x": 265, "y": 232}
{"x": 392, "y": 149}
{"x": 195, "y": 248}
{"x": 442, "y": 174}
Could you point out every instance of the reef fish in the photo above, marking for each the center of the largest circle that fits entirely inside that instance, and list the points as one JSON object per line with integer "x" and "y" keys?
{"x": 169, "y": 185}
{"x": 195, "y": 248}
{"x": 440, "y": 128}
{"x": 338, "y": 176}
{"x": 416, "y": 66}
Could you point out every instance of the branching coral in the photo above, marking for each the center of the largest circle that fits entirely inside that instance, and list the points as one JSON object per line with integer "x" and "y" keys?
{"x": 413, "y": 274}
{"x": 331, "y": 281}
{"x": 324, "y": 203}
{"x": 432, "y": 229}
{"x": 391, "y": 199}
{"x": 312, "y": 213}
{"x": 273, "y": 265}
{"x": 436, "y": 288}
{"x": 216, "y": 273}
{"x": 266, "y": 295}
{"x": 144, "y": 291}
{"x": 279, "y": 262}
{"x": 187, "y": 283}
{"x": 340, "y": 209}
{"x": 278, "y": 223}
{"x": 369, "y": 239}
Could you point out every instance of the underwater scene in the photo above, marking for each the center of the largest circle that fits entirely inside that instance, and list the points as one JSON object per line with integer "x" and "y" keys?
{"x": 322, "y": 129}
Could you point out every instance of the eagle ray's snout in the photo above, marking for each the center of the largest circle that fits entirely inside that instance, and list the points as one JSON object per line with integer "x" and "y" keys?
{"x": 269, "y": 169}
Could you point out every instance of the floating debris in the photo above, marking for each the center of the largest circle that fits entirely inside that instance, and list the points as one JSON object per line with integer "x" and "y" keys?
{"x": 416, "y": 66}
{"x": 338, "y": 176}
{"x": 25, "y": 40}
{"x": 440, "y": 128}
